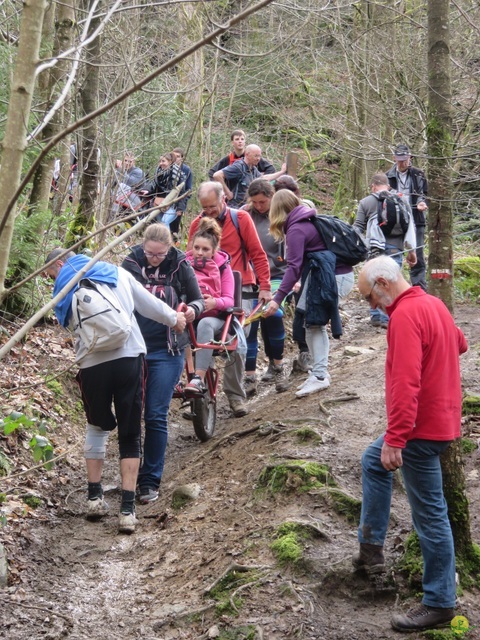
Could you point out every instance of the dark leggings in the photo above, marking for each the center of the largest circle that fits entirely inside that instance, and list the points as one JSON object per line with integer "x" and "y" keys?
{"x": 273, "y": 335}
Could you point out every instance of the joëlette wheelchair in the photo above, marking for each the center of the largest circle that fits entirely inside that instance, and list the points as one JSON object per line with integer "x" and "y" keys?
{"x": 203, "y": 407}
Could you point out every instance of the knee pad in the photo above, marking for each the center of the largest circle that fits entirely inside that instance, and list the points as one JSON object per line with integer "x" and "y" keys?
{"x": 95, "y": 446}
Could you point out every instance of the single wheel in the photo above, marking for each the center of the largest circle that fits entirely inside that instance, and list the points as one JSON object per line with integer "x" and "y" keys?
{"x": 204, "y": 415}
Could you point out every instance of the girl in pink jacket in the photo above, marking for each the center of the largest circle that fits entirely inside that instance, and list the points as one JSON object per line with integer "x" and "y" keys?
{"x": 215, "y": 278}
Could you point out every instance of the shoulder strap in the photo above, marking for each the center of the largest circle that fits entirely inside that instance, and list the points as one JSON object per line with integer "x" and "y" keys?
{"x": 236, "y": 224}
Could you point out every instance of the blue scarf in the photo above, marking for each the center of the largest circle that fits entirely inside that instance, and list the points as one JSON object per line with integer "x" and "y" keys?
{"x": 100, "y": 272}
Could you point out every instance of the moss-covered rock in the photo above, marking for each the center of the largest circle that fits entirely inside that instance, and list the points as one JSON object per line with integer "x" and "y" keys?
{"x": 471, "y": 406}
{"x": 295, "y": 475}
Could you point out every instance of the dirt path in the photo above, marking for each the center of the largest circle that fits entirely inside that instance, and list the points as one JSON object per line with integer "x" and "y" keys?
{"x": 74, "y": 579}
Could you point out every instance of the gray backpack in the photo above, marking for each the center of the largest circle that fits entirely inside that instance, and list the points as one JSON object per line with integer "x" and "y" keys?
{"x": 98, "y": 318}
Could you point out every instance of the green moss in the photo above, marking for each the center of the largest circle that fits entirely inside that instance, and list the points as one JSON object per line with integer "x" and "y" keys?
{"x": 345, "y": 505}
{"x": 288, "y": 549}
{"x": 439, "y": 634}
{"x": 3, "y": 498}
{"x": 471, "y": 406}
{"x": 222, "y": 591}
{"x": 178, "y": 502}
{"x": 55, "y": 386}
{"x": 411, "y": 562}
{"x": 467, "y": 445}
{"x": 307, "y": 435}
{"x": 467, "y": 276}
{"x": 468, "y": 568}
{"x": 32, "y": 501}
{"x": 296, "y": 475}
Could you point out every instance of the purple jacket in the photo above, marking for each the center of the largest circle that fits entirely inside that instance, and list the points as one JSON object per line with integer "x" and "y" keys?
{"x": 301, "y": 237}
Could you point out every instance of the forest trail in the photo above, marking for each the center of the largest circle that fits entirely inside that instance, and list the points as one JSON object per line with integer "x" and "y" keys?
{"x": 75, "y": 579}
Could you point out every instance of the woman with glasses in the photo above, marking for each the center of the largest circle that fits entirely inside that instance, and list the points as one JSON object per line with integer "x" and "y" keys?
{"x": 166, "y": 273}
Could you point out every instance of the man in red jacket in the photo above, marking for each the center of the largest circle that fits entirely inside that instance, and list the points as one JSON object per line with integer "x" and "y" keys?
{"x": 424, "y": 408}
{"x": 240, "y": 240}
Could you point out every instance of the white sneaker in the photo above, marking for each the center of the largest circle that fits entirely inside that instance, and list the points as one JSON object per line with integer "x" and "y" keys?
{"x": 312, "y": 386}
{"x": 312, "y": 377}
{"x": 302, "y": 384}
{"x": 127, "y": 522}
{"x": 96, "y": 509}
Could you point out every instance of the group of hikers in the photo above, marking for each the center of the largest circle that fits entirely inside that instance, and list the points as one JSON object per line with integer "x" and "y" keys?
{"x": 254, "y": 220}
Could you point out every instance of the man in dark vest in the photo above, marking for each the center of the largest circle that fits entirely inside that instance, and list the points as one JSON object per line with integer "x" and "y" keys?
{"x": 411, "y": 182}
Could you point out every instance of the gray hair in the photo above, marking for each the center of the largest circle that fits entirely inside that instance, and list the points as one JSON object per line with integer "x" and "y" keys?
{"x": 211, "y": 186}
{"x": 59, "y": 251}
{"x": 381, "y": 267}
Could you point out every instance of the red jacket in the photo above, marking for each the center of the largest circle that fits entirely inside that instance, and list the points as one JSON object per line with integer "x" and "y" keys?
{"x": 231, "y": 243}
{"x": 423, "y": 387}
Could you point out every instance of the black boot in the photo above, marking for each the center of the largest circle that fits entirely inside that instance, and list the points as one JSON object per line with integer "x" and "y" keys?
{"x": 369, "y": 559}
{"x": 422, "y": 617}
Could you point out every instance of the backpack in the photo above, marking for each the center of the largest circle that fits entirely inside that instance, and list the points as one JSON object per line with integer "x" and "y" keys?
{"x": 392, "y": 213}
{"x": 341, "y": 239}
{"x": 98, "y": 318}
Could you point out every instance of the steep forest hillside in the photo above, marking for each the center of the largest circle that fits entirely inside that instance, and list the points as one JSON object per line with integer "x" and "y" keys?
{"x": 222, "y": 565}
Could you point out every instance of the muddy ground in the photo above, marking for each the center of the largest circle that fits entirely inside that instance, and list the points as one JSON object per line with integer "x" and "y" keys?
{"x": 74, "y": 579}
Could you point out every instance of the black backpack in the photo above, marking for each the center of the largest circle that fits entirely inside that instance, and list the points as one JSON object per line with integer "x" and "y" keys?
{"x": 392, "y": 213}
{"x": 341, "y": 239}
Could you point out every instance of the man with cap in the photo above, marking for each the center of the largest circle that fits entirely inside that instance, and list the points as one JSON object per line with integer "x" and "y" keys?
{"x": 412, "y": 183}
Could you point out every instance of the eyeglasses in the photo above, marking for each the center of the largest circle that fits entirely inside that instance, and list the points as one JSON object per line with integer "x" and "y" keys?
{"x": 368, "y": 298}
{"x": 157, "y": 256}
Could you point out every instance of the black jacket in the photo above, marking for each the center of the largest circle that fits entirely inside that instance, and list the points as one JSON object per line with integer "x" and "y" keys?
{"x": 174, "y": 281}
{"x": 418, "y": 193}
{"x": 322, "y": 293}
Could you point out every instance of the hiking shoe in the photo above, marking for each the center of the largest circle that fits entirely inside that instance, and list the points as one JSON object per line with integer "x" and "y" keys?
{"x": 96, "y": 509}
{"x": 281, "y": 382}
{"x": 195, "y": 387}
{"x": 370, "y": 559}
{"x": 250, "y": 384}
{"x": 377, "y": 322}
{"x": 146, "y": 495}
{"x": 238, "y": 407}
{"x": 303, "y": 363}
{"x": 312, "y": 385}
{"x": 422, "y": 617}
{"x": 126, "y": 522}
{"x": 269, "y": 375}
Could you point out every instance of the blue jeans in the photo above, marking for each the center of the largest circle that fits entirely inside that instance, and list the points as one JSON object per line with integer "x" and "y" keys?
{"x": 397, "y": 255}
{"x": 163, "y": 373}
{"x": 168, "y": 216}
{"x": 422, "y": 476}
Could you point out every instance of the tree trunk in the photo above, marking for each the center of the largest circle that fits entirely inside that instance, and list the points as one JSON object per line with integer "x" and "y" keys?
{"x": 42, "y": 181}
{"x": 14, "y": 142}
{"x": 440, "y": 238}
{"x": 84, "y": 219}
{"x": 439, "y": 137}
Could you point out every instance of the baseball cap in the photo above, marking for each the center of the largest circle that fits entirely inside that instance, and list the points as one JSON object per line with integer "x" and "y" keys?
{"x": 401, "y": 152}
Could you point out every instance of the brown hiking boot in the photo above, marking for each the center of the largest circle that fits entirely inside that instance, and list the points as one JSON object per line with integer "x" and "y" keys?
{"x": 237, "y": 405}
{"x": 422, "y": 617}
{"x": 369, "y": 559}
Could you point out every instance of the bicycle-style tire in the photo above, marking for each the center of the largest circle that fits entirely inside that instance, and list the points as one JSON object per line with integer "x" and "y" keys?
{"x": 204, "y": 415}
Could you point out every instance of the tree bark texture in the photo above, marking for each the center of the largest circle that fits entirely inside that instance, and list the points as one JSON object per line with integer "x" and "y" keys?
{"x": 89, "y": 167}
{"x": 439, "y": 137}
{"x": 14, "y": 142}
{"x": 40, "y": 194}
